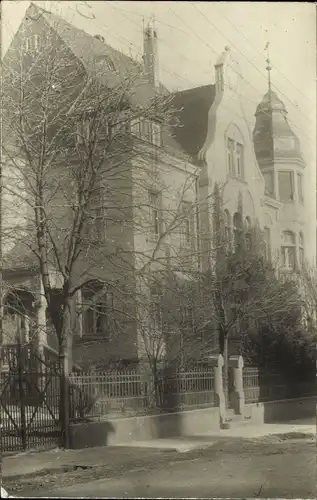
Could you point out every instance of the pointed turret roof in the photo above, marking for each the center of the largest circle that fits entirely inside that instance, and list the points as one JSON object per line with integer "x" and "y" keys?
{"x": 273, "y": 136}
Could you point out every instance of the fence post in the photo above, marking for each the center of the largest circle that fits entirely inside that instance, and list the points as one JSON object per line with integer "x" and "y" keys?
{"x": 237, "y": 395}
{"x": 217, "y": 363}
{"x": 21, "y": 392}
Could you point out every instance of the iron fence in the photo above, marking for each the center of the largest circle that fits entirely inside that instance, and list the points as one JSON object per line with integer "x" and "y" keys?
{"x": 181, "y": 389}
{"x": 28, "y": 410}
{"x": 97, "y": 395}
{"x": 116, "y": 394}
{"x": 263, "y": 385}
{"x": 29, "y": 400}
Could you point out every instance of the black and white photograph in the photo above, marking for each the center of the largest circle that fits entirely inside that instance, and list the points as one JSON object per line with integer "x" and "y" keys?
{"x": 158, "y": 264}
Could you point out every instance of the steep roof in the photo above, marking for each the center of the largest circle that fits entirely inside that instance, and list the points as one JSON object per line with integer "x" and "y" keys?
{"x": 99, "y": 59}
{"x": 273, "y": 136}
{"x": 270, "y": 101}
{"x": 191, "y": 108}
{"x": 110, "y": 67}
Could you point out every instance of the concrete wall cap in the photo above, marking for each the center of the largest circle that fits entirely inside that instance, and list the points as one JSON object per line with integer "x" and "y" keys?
{"x": 216, "y": 361}
{"x": 236, "y": 362}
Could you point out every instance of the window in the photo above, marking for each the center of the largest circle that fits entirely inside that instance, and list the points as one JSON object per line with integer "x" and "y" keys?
{"x": 239, "y": 160}
{"x": 96, "y": 222}
{"x": 156, "y": 134}
{"x": 156, "y": 308}
{"x": 237, "y": 230}
{"x": 154, "y": 202}
{"x": 117, "y": 128}
{"x": 301, "y": 250}
{"x": 97, "y": 310}
{"x": 288, "y": 250}
{"x": 187, "y": 223}
{"x": 269, "y": 183}
{"x": 286, "y": 186}
{"x": 220, "y": 85}
{"x": 83, "y": 132}
{"x": 248, "y": 234}
{"x": 147, "y": 130}
{"x": 136, "y": 127}
{"x": 267, "y": 244}
{"x": 227, "y": 227}
{"x": 230, "y": 156}
{"x": 235, "y": 158}
{"x": 109, "y": 64}
{"x": 300, "y": 188}
{"x": 32, "y": 43}
{"x": 36, "y": 42}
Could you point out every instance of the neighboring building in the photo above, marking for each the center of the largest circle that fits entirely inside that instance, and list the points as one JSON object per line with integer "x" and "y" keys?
{"x": 212, "y": 143}
{"x": 266, "y": 169}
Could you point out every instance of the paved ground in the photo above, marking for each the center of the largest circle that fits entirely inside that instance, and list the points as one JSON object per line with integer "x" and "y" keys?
{"x": 281, "y": 466}
{"x": 235, "y": 468}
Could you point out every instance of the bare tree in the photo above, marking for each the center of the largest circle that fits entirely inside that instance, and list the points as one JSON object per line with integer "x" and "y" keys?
{"x": 240, "y": 289}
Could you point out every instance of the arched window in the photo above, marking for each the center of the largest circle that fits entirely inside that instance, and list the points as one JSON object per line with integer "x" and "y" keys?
{"x": 301, "y": 249}
{"x": 237, "y": 229}
{"x": 235, "y": 152}
{"x": 227, "y": 227}
{"x": 288, "y": 250}
{"x": 248, "y": 234}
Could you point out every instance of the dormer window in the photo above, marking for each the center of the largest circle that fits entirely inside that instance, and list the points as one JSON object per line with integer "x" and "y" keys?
{"x": 156, "y": 134}
{"x": 32, "y": 43}
{"x": 118, "y": 128}
{"x": 146, "y": 130}
{"x": 136, "y": 127}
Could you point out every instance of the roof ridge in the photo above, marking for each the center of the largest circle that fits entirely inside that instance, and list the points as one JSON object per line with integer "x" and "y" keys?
{"x": 193, "y": 88}
{"x": 82, "y": 31}
{"x": 32, "y": 4}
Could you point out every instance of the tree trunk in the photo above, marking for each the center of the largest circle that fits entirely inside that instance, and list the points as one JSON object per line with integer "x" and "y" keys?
{"x": 64, "y": 395}
{"x": 226, "y": 369}
{"x": 20, "y": 363}
{"x": 65, "y": 367}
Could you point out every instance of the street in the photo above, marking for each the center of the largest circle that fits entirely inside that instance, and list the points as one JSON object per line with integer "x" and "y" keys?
{"x": 265, "y": 468}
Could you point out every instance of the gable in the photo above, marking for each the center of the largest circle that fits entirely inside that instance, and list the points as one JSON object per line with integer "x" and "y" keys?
{"x": 191, "y": 112}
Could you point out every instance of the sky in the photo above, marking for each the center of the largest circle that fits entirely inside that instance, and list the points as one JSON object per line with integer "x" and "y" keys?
{"x": 191, "y": 35}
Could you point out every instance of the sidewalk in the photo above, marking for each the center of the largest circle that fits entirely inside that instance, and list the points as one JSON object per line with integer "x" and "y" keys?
{"x": 37, "y": 463}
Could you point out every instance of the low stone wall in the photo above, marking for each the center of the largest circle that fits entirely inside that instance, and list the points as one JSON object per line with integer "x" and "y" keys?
{"x": 283, "y": 410}
{"x": 144, "y": 428}
{"x": 186, "y": 423}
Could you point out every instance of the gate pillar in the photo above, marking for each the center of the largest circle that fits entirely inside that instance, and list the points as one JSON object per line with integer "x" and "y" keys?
{"x": 237, "y": 394}
{"x": 217, "y": 363}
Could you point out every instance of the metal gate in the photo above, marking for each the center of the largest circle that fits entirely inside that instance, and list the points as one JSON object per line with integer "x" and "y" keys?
{"x": 29, "y": 401}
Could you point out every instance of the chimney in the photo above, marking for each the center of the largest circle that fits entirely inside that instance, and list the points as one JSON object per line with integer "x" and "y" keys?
{"x": 150, "y": 56}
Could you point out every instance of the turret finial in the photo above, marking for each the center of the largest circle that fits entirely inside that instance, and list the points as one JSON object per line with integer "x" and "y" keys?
{"x": 268, "y": 67}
